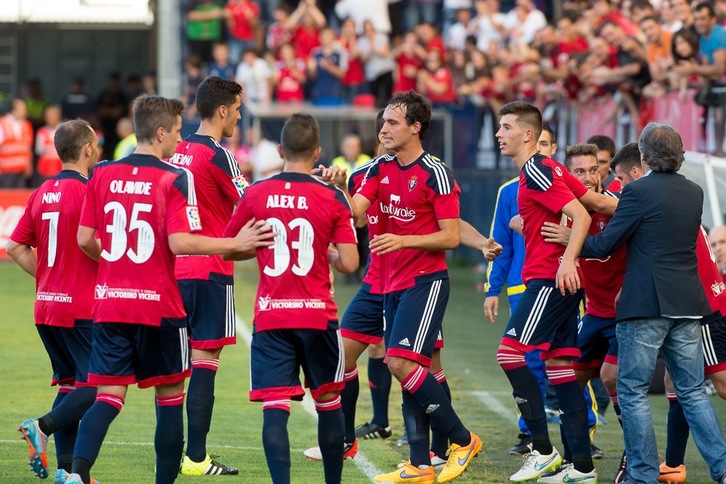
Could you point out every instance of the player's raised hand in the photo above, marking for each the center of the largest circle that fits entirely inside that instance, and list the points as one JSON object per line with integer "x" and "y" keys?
{"x": 567, "y": 277}
{"x": 385, "y": 243}
{"x": 556, "y": 233}
{"x": 254, "y": 234}
{"x": 491, "y": 308}
{"x": 333, "y": 175}
{"x": 491, "y": 249}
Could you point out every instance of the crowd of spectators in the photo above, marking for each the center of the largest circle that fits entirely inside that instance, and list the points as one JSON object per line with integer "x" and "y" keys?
{"x": 480, "y": 53}
{"x": 460, "y": 52}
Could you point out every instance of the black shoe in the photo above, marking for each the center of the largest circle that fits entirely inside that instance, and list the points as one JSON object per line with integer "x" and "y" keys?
{"x": 620, "y": 475}
{"x": 372, "y": 431}
{"x": 596, "y": 452}
{"x": 524, "y": 446}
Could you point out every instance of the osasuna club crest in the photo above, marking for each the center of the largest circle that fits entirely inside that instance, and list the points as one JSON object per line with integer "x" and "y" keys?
{"x": 412, "y": 182}
{"x": 601, "y": 224}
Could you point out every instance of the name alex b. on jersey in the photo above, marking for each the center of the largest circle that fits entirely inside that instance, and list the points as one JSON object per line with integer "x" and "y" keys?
{"x": 287, "y": 201}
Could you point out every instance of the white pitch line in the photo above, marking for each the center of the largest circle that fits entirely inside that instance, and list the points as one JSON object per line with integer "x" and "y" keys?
{"x": 493, "y": 404}
{"x": 360, "y": 460}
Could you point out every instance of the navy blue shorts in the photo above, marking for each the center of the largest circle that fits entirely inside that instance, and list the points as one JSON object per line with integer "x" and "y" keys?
{"x": 413, "y": 320}
{"x": 597, "y": 342}
{"x": 713, "y": 340}
{"x": 544, "y": 320}
{"x": 210, "y": 313}
{"x": 124, "y": 354}
{"x": 363, "y": 319}
{"x": 276, "y": 357}
{"x": 69, "y": 350}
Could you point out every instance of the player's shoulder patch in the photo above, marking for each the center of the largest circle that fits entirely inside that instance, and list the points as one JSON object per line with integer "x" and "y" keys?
{"x": 539, "y": 175}
{"x": 440, "y": 179}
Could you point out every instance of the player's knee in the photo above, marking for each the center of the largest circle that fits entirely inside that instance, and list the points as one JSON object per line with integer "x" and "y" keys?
{"x": 327, "y": 401}
{"x": 510, "y": 358}
{"x": 377, "y": 351}
{"x": 400, "y": 368}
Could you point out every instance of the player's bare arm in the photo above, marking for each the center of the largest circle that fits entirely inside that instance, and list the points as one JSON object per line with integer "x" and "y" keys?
{"x": 446, "y": 238}
{"x": 337, "y": 176}
{"x": 344, "y": 258}
{"x": 556, "y": 233}
{"x": 472, "y": 238}
{"x": 88, "y": 242}
{"x": 23, "y": 255}
{"x": 567, "y": 278}
{"x": 252, "y": 235}
{"x": 597, "y": 202}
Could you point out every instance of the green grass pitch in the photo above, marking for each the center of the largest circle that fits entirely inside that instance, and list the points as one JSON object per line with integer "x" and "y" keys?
{"x": 480, "y": 391}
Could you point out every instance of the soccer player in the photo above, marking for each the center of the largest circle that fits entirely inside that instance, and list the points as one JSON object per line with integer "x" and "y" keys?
{"x": 546, "y": 316}
{"x": 65, "y": 278}
{"x": 605, "y": 153}
{"x": 508, "y": 267}
{"x": 206, "y": 282}
{"x": 418, "y": 200}
{"x": 602, "y": 280}
{"x": 144, "y": 211}
{"x": 295, "y": 321}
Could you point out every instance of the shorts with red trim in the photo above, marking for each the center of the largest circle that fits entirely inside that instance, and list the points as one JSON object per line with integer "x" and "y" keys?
{"x": 124, "y": 354}
{"x": 210, "y": 312}
{"x": 597, "y": 342}
{"x": 413, "y": 320}
{"x": 69, "y": 350}
{"x": 363, "y": 319}
{"x": 276, "y": 357}
{"x": 713, "y": 340}
{"x": 544, "y": 320}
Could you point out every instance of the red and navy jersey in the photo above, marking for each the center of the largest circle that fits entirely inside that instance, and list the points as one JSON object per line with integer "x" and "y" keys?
{"x": 355, "y": 181}
{"x": 545, "y": 187}
{"x": 411, "y": 200}
{"x": 307, "y": 215}
{"x": 603, "y": 278}
{"x": 711, "y": 277}
{"x": 135, "y": 203}
{"x": 64, "y": 274}
{"x": 219, "y": 183}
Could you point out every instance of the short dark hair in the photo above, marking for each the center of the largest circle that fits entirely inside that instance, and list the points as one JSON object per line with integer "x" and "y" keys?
{"x": 71, "y": 137}
{"x": 526, "y": 114}
{"x": 580, "y": 149}
{"x": 152, "y": 112}
{"x": 418, "y": 109}
{"x": 300, "y": 137}
{"x": 214, "y": 92}
{"x": 705, "y": 6}
{"x": 603, "y": 143}
{"x": 650, "y": 17}
{"x": 627, "y": 157}
{"x": 548, "y": 128}
{"x": 661, "y": 148}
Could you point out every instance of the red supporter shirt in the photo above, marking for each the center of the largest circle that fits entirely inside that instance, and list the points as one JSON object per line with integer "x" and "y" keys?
{"x": 305, "y": 40}
{"x": 219, "y": 184}
{"x": 244, "y": 16}
{"x": 134, "y": 204}
{"x": 443, "y": 75}
{"x": 545, "y": 187}
{"x": 711, "y": 277}
{"x": 289, "y": 88}
{"x": 65, "y": 275}
{"x": 602, "y": 278}
{"x": 355, "y": 181}
{"x": 308, "y": 216}
{"x": 411, "y": 200}
{"x": 405, "y": 82}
